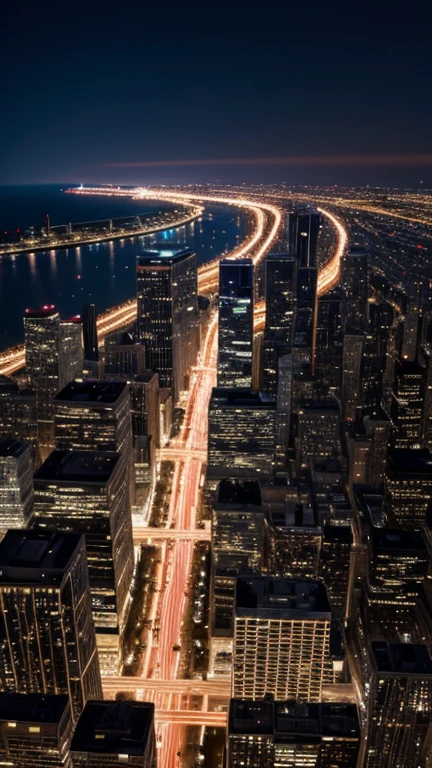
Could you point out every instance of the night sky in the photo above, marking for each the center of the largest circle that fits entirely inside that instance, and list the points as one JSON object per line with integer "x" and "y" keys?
{"x": 92, "y": 86}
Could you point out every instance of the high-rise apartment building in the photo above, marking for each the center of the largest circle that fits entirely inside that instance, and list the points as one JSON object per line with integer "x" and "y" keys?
{"x": 115, "y": 733}
{"x": 47, "y": 636}
{"x": 93, "y": 415}
{"x": 35, "y": 730}
{"x": 407, "y": 405}
{"x": 292, "y": 734}
{"x": 167, "y": 320}
{"x": 303, "y": 232}
{"x": 16, "y": 484}
{"x": 41, "y": 337}
{"x": 18, "y": 416}
{"x": 241, "y": 438}
{"x": 237, "y": 547}
{"x": 281, "y": 301}
{"x": 408, "y": 487}
{"x": 281, "y": 639}
{"x": 400, "y": 716}
{"x": 71, "y": 350}
{"x": 236, "y": 291}
{"x": 86, "y": 491}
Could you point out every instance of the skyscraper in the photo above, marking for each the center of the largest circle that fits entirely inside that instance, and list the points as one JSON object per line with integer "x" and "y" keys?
{"x": 303, "y": 232}
{"x": 47, "y": 637}
{"x": 351, "y": 370}
{"x": 234, "y": 368}
{"x": 281, "y": 639}
{"x": 16, "y": 484}
{"x": 400, "y": 718}
{"x": 35, "y": 730}
{"x": 167, "y": 321}
{"x": 71, "y": 350}
{"x": 115, "y": 733}
{"x": 90, "y": 333}
{"x": 241, "y": 439}
{"x": 306, "y": 317}
{"x": 292, "y": 734}
{"x": 407, "y": 405}
{"x": 355, "y": 283}
{"x": 86, "y": 491}
{"x": 408, "y": 487}
{"x": 281, "y": 301}
{"x": 18, "y": 415}
{"x": 329, "y": 340}
{"x": 41, "y": 337}
{"x": 123, "y": 356}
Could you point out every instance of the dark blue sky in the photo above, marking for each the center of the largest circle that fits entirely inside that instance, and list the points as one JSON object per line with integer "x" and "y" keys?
{"x": 99, "y": 83}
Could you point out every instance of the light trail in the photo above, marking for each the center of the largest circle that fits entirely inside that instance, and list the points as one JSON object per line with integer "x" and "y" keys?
{"x": 143, "y": 534}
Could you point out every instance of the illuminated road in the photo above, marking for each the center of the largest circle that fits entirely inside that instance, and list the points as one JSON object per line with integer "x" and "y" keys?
{"x": 143, "y": 534}
{"x": 218, "y": 688}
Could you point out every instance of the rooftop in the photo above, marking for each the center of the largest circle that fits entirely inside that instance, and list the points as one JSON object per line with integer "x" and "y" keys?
{"x": 33, "y": 707}
{"x": 282, "y": 598}
{"x": 293, "y": 718}
{"x": 78, "y": 466}
{"x": 164, "y": 255}
{"x": 91, "y": 391}
{"x": 243, "y": 397}
{"x": 398, "y": 539}
{"x": 402, "y": 658}
{"x": 48, "y": 310}
{"x": 114, "y": 727}
{"x": 412, "y": 461}
{"x": 239, "y": 492}
{"x": 12, "y": 448}
{"x": 33, "y": 557}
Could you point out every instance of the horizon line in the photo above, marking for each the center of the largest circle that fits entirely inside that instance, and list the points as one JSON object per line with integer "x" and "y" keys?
{"x": 349, "y": 160}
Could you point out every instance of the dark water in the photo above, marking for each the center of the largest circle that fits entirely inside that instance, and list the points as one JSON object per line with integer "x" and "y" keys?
{"x": 103, "y": 274}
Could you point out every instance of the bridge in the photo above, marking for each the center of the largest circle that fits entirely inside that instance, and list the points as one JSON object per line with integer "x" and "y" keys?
{"x": 144, "y": 533}
{"x": 177, "y": 453}
{"x": 183, "y": 717}
{"x": 141, "y": 685}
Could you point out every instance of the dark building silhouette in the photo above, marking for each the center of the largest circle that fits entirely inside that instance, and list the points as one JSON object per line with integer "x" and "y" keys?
{"x": 281, "y": 301}
{"x": 234, "y": 367}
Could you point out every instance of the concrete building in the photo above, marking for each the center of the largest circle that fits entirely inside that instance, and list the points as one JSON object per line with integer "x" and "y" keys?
{"x": 235, "y": 340}
{"x": 16, "y": 485}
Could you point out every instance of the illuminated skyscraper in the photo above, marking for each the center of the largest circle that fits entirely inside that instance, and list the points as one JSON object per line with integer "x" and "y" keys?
{"x": 281, "y": 639}
{"x": 242, "y": 434}
{"x": 355, "y": 283}
{"x": 408, "y": 487}
{"x": 329, "y": 340}
{"x": 35, "y": 730}
{"x": 123, "y": 356}
{"x": 167, "y": 321}
{"x": 351, "y": 371}
{"x": 407, "y": 405}
{"x": 303, "y": 232}
{"x": 16, "y": 484}
{"x": 306, "y": 317}
{"x": 86, "y": 491}
{"x": 41, "y": 337}
{"x": 144, "y": 401}
{"x": 281, "y": 300}
{"x": 400, "y": 717}
{"x": 234, "y": 368}
{"x": 18, "y": 416}
{"x": 318, "y": 430}
{"x": 47, "y": 636}
{"x": 71, "y": 350}
{"x": 295, "y": 539}
{"x": 292, "y": 734}
{"x": 115, "y": 733}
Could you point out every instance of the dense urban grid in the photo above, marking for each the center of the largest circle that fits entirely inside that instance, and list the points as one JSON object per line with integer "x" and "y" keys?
{"x": 216, "y": 499}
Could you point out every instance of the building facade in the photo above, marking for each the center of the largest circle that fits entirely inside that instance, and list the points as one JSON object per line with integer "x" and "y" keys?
{"x": 234, "y": 366}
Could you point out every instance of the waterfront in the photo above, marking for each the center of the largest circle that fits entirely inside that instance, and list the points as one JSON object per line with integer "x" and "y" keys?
{"x": 104, "y": 273}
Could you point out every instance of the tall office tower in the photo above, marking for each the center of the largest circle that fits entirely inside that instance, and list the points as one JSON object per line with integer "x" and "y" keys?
{"x": 237, "y": 547}
{"x": 408, "y": 487}
{"x": 400, "y": 718}
{"x": 295, "y": 539}
{"x": 281, "y": 639}
{"x": 292, "y": 734}
{"x": 303, "y": 232}
{"x": 18, "y": 415}
{"x": 329, "y": 340}
{"x": 377, "y": 427}
{"x": 93, "y": 415}
{"x": 41, "y": 337}
{"x": 407, "y": 405}
{"x": 234, "y": 368}
{"x": 71, "y": 350}
{"x": 47, "y": 636}
{"x": 336, "y": 552}
{"x": 397, "y": 566}
{"x": 426, "y": 357}
{"x": 281, "y": 300}
{"x": 144, "y": 402}
{"x": 35, "y": 730}
{"x": 410, "y": 336}
{"x": 283, "y": 413}
{"x": 16, "y": 484}
{"x": 167, "y": 320}
{"x": 351, "y": 370}
{"x": 123, "y": 356}
{"x": 115, "y": 733}
{"x": 356, "y": 285}
{"x": 90, "y": 337}
{"x": 86, "y": 491}
{"x": 377, "y": 357}
{"x": 318, "y": 430}
{"x": 241, "y": 439}
{"x": 305, "y": 322}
